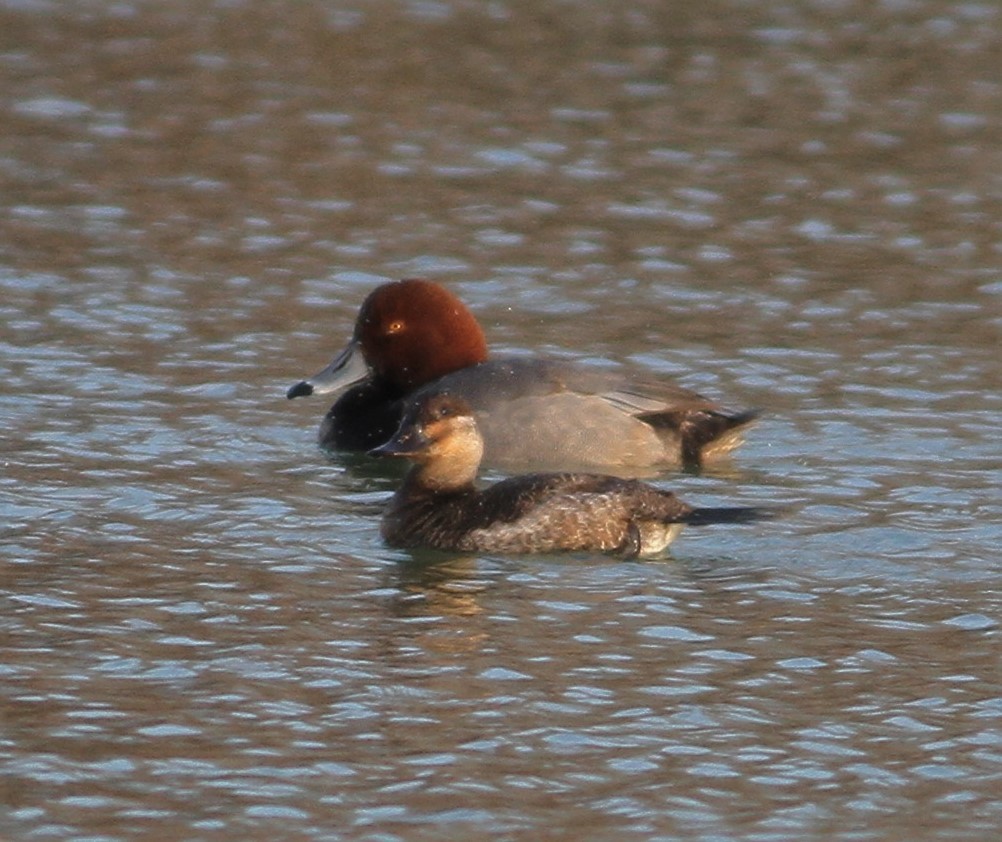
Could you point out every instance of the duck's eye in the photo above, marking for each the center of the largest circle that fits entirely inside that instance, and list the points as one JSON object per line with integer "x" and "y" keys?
{"x": 395, "y": 326}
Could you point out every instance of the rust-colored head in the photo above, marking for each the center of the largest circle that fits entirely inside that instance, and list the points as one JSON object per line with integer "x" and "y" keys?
{"x": 412, "y": 332}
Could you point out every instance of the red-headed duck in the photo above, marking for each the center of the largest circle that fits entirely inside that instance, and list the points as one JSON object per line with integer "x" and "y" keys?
{"x": 415, "y": 336}
{"x": 438, "y": 506}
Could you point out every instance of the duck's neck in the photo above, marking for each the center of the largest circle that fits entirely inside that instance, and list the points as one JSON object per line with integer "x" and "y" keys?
{"x": 452, "y": 470}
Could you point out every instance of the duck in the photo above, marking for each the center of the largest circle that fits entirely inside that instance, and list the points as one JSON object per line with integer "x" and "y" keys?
{"x": 439, "y": 506}
{"x": 414, "y": 336}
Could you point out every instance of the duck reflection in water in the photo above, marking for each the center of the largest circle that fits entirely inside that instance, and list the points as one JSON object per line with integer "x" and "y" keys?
{"x": 439, "y": 507}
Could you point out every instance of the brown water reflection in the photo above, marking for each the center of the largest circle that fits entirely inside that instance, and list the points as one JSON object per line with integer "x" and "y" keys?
{"x": 657, "y": 698}
{"x": 783, "y": 205}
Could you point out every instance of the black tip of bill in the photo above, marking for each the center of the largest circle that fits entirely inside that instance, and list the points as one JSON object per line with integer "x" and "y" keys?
{"x": 300, "y": 390}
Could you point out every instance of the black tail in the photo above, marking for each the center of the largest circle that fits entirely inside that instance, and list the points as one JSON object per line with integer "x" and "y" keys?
{"x": 731, "y": 514}
{"x": 701, "y": 429}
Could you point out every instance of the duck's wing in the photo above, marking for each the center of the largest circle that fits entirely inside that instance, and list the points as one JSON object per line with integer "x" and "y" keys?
{"x": 521, "y": 378}
{"x": 640, "y": 401}
{"x": 513, "y": 498}
{"x": 701, "y": 427}
{"x": 554, "y": 413}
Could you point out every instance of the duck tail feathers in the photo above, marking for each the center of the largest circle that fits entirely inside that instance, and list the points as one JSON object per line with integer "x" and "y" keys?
{"x": 709, "y": 434}
{"x": 731, "y": 514}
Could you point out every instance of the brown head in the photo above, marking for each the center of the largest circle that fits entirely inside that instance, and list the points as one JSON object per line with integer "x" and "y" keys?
{"x": 439, "y": 434}
{"x": 412, "y": 332}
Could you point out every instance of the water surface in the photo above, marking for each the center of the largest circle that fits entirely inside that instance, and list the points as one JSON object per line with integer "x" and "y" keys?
{"x": 784, "y": 205}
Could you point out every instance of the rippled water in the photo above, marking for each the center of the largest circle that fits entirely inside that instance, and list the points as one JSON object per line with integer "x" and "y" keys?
{"x": 785, "y": 205}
